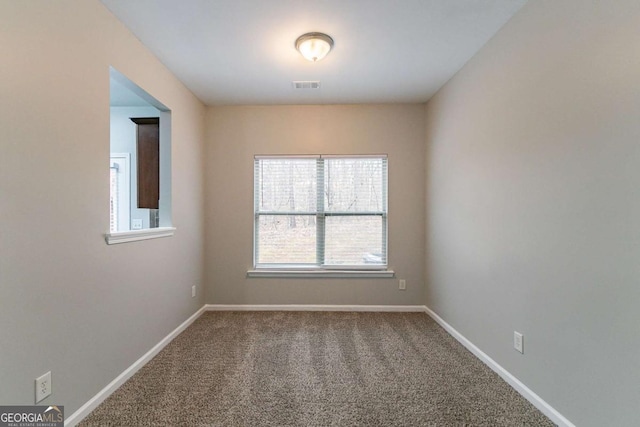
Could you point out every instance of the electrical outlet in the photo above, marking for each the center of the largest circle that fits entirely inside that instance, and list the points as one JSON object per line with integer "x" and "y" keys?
{"x": 518, "y": 341}
{"x": 43, "y": 386}
{"x": 136, "y": 224}
{"x": 193, "y": 291}
{"x": 402, "y": 284}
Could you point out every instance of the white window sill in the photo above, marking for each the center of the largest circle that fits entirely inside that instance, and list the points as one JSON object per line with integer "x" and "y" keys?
{"x": 338, "y": 274}
{"x": 136, "y": 235}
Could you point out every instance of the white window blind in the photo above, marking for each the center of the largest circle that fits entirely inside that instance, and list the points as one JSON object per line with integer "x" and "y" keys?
{"x": 320, "y": 212}
{"x": 114, "y": 197}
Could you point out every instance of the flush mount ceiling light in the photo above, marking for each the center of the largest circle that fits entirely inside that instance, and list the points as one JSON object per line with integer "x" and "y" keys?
{"x": 314, "y": 46}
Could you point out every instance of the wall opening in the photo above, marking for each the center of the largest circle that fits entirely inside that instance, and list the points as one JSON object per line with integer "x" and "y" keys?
{"x": 131, "y": 185}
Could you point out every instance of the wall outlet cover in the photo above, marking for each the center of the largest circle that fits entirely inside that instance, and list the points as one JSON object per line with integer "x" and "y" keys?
{"x": 518, "y": 341}
{"x": 43, "y": 386}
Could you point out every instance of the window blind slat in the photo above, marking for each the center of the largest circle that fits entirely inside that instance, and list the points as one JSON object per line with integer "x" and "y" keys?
{"x": 320, "y": 235}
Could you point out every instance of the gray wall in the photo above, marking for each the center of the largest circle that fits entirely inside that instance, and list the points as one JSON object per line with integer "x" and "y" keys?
{"x": 236, "y": 134}
{"x": 534, "y": 204}
{"x": 69, "y": 303}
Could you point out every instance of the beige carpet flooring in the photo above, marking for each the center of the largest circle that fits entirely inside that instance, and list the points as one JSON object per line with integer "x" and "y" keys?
{"x": 315, "y": 369}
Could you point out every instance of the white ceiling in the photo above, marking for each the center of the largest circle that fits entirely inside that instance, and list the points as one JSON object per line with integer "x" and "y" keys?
{"x": 242, "y": 51}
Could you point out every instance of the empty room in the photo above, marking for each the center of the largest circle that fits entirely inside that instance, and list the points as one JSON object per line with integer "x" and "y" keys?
{"x": 320, "y": 213}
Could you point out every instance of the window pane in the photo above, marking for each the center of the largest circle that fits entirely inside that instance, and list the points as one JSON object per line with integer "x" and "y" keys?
{"x": 286, "y": 185}
{"x": 354, "y": 185}
{"x": 354, "y": 240}
{"x": 286, "y": 239}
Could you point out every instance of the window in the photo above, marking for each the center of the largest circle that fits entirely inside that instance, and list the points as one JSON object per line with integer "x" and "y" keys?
{"x": 119, "y": 192}
{"x": 320, "y": 212}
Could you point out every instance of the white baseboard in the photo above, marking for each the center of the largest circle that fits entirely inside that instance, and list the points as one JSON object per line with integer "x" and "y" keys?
{"x": 314, "y": 307}
{"x": 525, "y": 391}
{"x": 96, "y": 400}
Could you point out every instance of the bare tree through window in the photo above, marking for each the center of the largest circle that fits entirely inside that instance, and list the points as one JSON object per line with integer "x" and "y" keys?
{"x": 321, "y": 211}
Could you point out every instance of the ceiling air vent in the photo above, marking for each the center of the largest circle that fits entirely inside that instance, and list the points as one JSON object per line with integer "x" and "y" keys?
{"x": 306, "y": 85}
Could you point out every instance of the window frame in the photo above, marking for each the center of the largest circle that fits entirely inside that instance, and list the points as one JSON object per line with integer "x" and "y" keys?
{"x": 320, "y": 268}
{"x": 121, "y": 162}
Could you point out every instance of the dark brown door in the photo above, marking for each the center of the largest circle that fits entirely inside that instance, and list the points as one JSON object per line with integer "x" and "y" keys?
{"x": 148, "y": 161}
